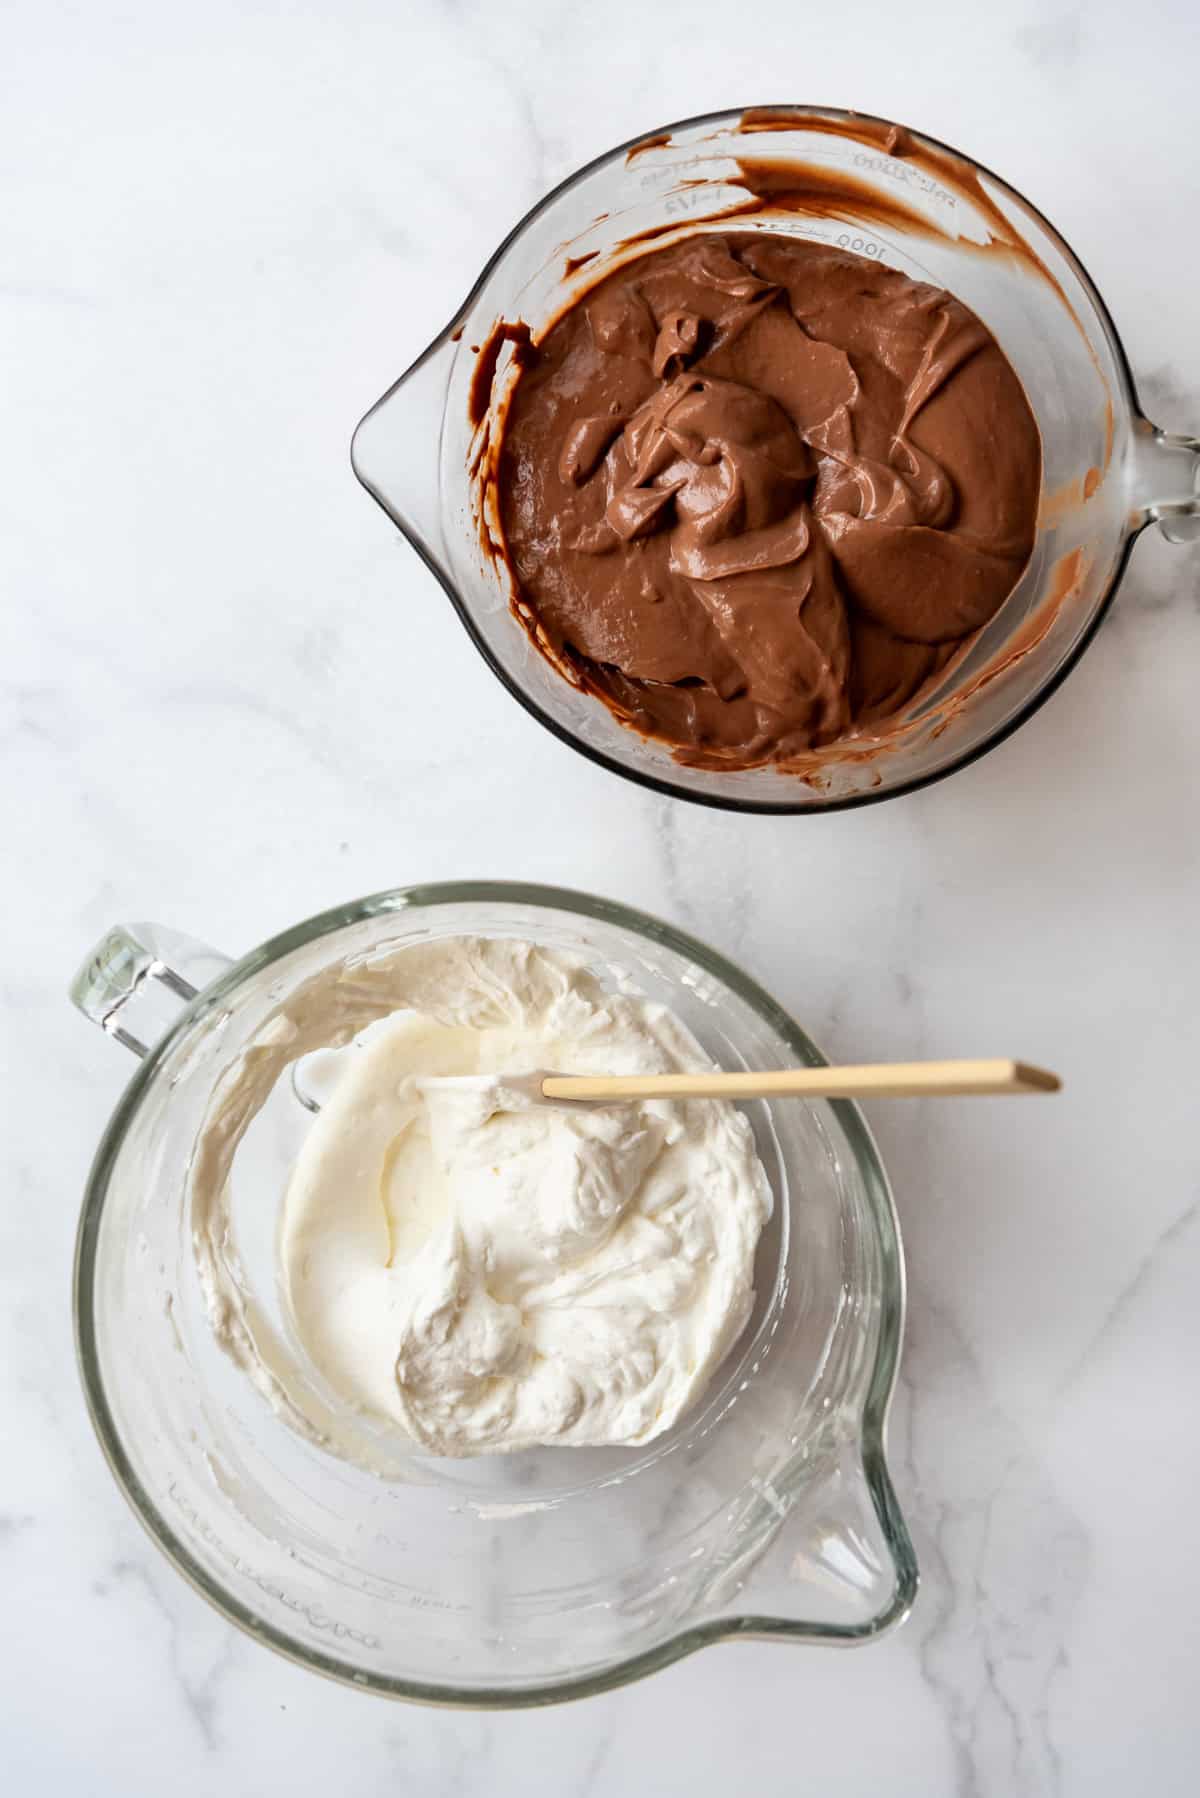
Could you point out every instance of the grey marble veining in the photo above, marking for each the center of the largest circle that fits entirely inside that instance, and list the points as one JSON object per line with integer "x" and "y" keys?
{"x": 226, "y": 231}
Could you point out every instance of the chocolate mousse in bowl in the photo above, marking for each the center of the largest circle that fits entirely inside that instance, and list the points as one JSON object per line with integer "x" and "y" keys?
{"x": 758, "y": 493}
{"x": 786, "y": 460}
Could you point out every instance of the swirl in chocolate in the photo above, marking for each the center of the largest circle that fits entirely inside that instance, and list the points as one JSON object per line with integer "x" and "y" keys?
{"x": 757, "y": 493}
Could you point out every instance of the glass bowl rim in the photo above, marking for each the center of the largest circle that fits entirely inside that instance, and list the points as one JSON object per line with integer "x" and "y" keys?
{"x": 685, "y": 1641}
{"x": 660, "y": 783}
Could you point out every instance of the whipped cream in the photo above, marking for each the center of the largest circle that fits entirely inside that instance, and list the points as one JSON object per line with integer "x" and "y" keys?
{"x": 490, "y": 1272}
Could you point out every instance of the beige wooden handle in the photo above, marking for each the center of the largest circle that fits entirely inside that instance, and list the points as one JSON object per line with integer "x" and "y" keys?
{"x": 879, "y": 1080}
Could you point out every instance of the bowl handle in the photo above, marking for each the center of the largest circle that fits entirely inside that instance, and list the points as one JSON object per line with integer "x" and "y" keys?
{"x": 139, "y": 977}
{"x": 1168, "y": 483}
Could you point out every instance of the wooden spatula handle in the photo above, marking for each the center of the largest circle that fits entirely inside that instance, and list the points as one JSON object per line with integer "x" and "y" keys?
{"x": 881, "y": 1080}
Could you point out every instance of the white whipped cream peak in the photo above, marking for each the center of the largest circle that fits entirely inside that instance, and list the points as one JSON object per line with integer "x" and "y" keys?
{"x": 489, "y": 1271}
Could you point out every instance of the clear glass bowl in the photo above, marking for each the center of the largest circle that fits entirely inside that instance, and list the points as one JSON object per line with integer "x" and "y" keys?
{"x": 508, "y": 1579}
{"x": 926, "y": 210}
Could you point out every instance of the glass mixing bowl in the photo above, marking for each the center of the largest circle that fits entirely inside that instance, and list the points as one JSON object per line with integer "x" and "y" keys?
{"x": 885, "y": 194}
{"x": 504, "y": 1580}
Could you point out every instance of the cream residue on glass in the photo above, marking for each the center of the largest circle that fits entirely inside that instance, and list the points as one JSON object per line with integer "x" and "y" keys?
{"x": 480, "y": 1271}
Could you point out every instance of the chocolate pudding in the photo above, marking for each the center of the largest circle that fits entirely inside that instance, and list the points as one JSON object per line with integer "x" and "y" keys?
{"x": 757, "y": 493}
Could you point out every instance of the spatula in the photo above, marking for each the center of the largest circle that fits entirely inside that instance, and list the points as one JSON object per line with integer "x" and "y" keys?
{"x": 871, "y": 1080}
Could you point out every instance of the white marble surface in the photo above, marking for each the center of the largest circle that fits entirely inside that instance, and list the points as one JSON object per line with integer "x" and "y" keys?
{"x": 226, "y": 228}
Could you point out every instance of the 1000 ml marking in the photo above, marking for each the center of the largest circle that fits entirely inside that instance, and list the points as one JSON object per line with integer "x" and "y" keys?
{"x": 861, "y": 246}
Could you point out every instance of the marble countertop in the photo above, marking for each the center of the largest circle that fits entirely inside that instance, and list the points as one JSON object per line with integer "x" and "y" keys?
{"x": 226, "y": 230}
